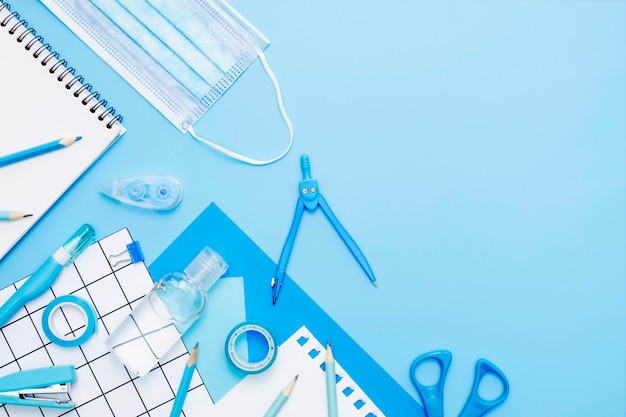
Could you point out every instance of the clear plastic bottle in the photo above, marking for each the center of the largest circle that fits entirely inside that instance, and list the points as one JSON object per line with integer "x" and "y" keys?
{"x": 165, "y": 313}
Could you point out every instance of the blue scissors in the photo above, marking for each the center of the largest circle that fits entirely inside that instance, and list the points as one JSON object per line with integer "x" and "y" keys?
{"x": 432, "y": 395}
{"x": 310, "y": 199}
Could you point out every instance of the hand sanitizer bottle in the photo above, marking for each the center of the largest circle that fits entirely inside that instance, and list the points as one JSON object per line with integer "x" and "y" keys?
{"x": 165, "y": 313}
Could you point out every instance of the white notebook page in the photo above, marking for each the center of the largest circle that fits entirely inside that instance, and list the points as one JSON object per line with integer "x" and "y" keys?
{"x": 36, "y": 108}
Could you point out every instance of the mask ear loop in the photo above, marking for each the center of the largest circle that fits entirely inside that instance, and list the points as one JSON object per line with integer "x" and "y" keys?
{"x": 283, "y": 113}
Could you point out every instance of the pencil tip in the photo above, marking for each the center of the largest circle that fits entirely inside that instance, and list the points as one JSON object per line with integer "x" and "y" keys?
{"x": 28, "y": 215}
{"x": 78, "y": 138}
{"x": 196, "y": 346}
{"x": 193, "y": 356}
{"x": 375, "y": 285}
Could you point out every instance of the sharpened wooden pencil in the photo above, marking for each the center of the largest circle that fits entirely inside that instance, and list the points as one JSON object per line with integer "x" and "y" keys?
{"x": 280, "y": 400}
{"x": 183, "y": 387}
{"x": 331, "y": 382}
{"x": 13, "y": 215}
{"x": 57, "y": 144}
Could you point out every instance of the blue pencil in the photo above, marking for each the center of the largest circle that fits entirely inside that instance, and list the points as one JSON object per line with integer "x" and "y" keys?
{"x": 39, "y": 150}
{"x": 331, "y": 382}
{"x": 177, "y": 408}
{"x": 281, "y": 399}
{"x": 12, "y": 215}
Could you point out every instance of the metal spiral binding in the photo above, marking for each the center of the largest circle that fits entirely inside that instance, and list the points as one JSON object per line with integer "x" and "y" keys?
{"x": 45, "y": 55}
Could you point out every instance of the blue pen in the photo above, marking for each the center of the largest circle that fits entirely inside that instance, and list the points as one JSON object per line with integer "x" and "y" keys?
{"x": 48, "y": 272}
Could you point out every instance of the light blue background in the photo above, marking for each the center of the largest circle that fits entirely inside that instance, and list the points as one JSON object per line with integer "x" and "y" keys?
{"x": 475, "y": 150}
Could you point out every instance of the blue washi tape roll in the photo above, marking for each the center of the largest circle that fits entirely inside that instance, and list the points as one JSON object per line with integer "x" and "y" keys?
{"x": 60, "y": 338}
{"x": 242, "y": 364}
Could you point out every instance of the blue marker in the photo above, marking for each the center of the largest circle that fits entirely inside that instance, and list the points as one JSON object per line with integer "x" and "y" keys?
{"x": 47, "y": 273}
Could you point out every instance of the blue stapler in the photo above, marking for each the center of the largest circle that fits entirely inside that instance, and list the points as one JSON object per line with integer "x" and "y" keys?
{"x": 40, "y": 387}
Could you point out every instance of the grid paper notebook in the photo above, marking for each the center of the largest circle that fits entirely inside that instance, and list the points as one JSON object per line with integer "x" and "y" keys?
{"x": 104, "y": 388}
{"x": 43, "y": 99}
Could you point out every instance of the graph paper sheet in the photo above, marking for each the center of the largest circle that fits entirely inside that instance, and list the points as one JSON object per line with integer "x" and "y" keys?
{"x": 103, "y": 387}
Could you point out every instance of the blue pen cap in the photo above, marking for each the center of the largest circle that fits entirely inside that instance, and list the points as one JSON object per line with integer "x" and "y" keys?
{"x": 75, "y": 245}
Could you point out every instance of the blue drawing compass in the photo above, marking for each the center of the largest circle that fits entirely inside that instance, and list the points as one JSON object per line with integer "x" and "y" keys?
{"x": 310, "y": 198}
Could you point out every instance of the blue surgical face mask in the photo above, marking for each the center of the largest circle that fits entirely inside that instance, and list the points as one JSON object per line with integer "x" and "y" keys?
{"x": 180, "y": 55}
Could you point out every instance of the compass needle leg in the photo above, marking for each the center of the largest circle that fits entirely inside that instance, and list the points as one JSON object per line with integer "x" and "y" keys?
{"x": 349, "y": 241}
{"x": 277, "y": 281}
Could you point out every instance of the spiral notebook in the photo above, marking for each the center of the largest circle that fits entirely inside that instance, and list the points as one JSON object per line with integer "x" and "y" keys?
{"x": 43, "y": 99}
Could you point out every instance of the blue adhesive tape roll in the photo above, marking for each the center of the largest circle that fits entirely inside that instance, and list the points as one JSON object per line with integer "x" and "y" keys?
{"x": 244, "y": 365}
{"x": 61, "y": 339}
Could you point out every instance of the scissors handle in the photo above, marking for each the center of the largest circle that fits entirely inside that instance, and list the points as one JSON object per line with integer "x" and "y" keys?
{"x": 476, "y": 406}
{"x": 432, "y": 395}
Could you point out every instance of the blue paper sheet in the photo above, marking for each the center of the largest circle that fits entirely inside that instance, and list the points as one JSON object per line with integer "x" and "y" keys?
{"x": 213, "y": 228}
